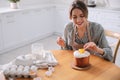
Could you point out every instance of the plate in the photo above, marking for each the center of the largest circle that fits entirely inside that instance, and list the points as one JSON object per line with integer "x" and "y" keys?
{"x": 79, "y": 68}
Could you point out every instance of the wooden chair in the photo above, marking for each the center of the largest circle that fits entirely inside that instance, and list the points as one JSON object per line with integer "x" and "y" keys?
{"x": 116, "y": 36}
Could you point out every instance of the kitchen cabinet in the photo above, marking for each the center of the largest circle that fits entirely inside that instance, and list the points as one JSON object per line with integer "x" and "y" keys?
{"x": 109, "y": 19}
{"x": 22, "y": 27}
{"x": 39, "y": 23}
{"x": 61, "y": 18}
{"x": 11, "y": 29}
{"x": 1, "y": 45}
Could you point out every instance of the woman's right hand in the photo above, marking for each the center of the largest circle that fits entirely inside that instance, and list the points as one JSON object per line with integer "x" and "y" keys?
{"x": 60, "y": 42}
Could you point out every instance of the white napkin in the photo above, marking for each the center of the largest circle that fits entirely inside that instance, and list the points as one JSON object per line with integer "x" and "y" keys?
{"x": 48, "y": 60}
{"x": 24, "y": 60}
{"x": 42, "y": 61}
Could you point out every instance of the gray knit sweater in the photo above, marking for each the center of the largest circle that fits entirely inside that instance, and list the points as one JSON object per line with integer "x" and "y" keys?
{"x": 97, "y": 36}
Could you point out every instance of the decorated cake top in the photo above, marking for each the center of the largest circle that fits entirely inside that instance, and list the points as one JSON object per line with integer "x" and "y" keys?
{"x": 81, "y": 53}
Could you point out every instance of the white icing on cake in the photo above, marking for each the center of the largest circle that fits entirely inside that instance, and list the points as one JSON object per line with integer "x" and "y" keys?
{"x": 77, "y": 54}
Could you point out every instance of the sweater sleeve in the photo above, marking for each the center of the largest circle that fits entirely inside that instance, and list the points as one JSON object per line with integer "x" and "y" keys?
{"x": 103, "y": 43}
{"x": 66, "y": 36}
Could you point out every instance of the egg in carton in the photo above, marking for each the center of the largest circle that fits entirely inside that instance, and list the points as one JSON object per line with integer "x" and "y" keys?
{"x": 10, "y": 71}
{"x": 19, "y": 71}
{"x": 33, "y": 71}
{"x": 28, "y": 72}
{"x": 6, "y": 72}
{"x": 25, "y": 73}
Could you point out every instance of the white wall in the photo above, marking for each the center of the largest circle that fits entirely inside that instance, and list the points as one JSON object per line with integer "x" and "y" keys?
{"x": 62, "y": 18}
{"x": 34, "y": 2}
{"x": 62, "y": 2}
{"x": 102, "y": 3}
{"x": 1, "y": 43}
{"x": 5, "y": 3}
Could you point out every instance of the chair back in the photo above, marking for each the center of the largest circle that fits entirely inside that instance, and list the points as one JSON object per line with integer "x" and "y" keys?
{"x": 114, "y": 35}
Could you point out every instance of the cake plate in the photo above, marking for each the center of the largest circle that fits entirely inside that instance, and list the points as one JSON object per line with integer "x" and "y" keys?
{"x": 79, "y": 68}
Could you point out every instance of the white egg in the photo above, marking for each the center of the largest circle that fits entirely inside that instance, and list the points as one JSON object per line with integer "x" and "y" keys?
{"x": 51, "y": 69}
{"x": 27, "y": 67}
{"x": 48, "y": 73}
{"x": 25, "y": 73}
{"x": 34, "y": 68}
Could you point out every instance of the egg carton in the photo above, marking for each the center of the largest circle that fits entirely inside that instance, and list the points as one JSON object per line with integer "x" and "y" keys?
{"x": 21, "y": 71}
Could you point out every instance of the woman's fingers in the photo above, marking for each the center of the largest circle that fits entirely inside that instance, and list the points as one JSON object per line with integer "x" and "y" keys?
{"x": 86, "y": 46}
{"x": 60, "y": 41}
{"x": 90, "y": 45}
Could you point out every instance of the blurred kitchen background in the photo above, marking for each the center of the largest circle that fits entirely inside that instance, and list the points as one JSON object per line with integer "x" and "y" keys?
{"x": 43, "y": 20}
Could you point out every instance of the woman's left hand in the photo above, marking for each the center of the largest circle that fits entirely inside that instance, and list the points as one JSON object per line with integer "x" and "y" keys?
{"x": 91, "y": 46}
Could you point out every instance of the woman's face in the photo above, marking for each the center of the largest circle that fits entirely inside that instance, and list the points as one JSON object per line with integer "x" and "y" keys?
{"x": 78, "y": 18}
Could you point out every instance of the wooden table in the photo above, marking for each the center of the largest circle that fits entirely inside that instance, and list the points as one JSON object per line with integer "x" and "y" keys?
{"x": 100, "y": 69}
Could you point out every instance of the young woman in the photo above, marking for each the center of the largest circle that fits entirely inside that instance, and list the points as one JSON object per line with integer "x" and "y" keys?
{"x": 81, "y": 33}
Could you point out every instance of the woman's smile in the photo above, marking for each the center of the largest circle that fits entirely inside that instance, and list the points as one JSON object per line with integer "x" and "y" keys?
{"x": 80, "y": 23}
